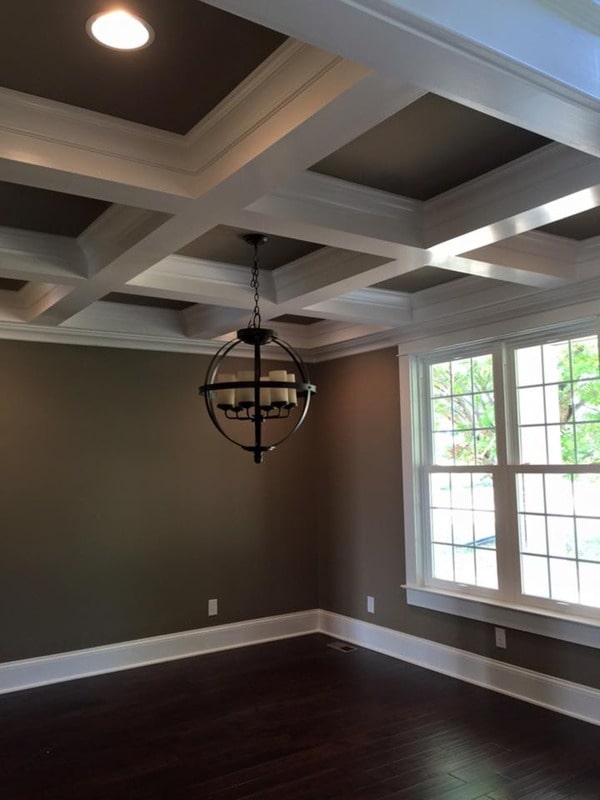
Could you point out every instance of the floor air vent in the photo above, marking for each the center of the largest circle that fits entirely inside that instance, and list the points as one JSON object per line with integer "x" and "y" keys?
{"x": 343, "y": 647}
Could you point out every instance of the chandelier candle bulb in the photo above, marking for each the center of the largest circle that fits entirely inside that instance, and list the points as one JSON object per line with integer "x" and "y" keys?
{"x": 292, "y": 394}
{"x": 225, "y": 397}
{"x": 245, "y": 394}
{"x": 265, "y": 394}
{"x": 279, "y": 396}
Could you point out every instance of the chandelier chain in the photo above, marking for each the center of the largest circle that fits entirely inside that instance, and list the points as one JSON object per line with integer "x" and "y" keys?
{"x": 255, "y": 319}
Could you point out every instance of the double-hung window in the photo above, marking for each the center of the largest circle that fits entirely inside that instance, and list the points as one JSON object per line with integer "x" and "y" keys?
{"x": 504, "y": 463}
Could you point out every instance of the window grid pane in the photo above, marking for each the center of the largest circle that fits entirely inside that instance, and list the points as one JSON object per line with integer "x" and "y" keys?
{"x": 558, "y": 402}
{"x": 555, "y": 537}
{"x": 463, "y": 529}
{"x": 559, "y": 536}
{"x": 462, "y": 412}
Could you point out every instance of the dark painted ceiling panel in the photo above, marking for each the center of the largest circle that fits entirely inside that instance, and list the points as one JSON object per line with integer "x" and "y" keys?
{"x": 10, "y": 285}
{"x": 46, "y": 212}
{"x": 296, "y": 319}
{"x": 198, "y": 56}
{"x": 427, "y": 148}
{"x": 227, "y": 245}
{"x": 579, "y": 227}
{"x": 423, "y": 278}
{"x": 142, "y": 300}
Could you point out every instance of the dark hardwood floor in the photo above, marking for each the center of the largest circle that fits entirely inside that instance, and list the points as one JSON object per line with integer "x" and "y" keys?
{"x": 289, "y": 720}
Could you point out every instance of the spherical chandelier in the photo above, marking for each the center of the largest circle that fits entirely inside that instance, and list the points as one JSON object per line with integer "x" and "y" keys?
{"x": 254, "y": 410}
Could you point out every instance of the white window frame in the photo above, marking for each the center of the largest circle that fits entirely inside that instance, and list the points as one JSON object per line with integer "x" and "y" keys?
{"x": 506, "y": 606}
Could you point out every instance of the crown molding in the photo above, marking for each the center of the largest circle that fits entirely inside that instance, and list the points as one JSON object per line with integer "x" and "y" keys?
{"x": 91, "y": 338}
{"x": 29, "y": 114}
{"x": 583, "y": 13}
{"x": 491, "y": 315}
{"x": 344, "y": 349}
{"x": 315, "y": 187}
{"x": 254, "y": 110}
{"x": 587, "y": 262}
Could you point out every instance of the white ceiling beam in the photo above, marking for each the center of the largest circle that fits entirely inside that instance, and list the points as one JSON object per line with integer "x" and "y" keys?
{"x": 299, "y": 227}
{"x": 472, "y": 294}
{"x": 533, "y": 259}
{"x": 30, "y": 256}
{"x": 317, "y": 103}
{"x": 544, "y": 277}
{"x": 59, "y": 147}
{"x": 336, "y": 333}
{"x": 549, "y": 184}
{"x": 195, "y": 280}
{"x": 339, "y": 213}
{"x": 115, "y": 319}
{"x": 325, "y": 273}
{"x": 535, "y": 251}
{"x": 116, "y": 231}
{"x": 367, "y": 306}
{"x": 41, "y": 297}
{"x": 109, "y": 243}
{"x": 515, "y": 72}
{"x": 226, "y": 285}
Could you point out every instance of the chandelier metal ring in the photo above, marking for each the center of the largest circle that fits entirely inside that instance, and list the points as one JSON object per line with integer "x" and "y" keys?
{"x": 250, "y": 396}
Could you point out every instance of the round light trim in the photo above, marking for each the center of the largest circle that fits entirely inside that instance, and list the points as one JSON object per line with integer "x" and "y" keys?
{"x": 120, "y": 30}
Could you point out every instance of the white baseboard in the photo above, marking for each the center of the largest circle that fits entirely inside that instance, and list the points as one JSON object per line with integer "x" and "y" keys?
{"x": 565, "y": 697}
{"x": 30, "y": 672}
{"x": 572, "y": 699}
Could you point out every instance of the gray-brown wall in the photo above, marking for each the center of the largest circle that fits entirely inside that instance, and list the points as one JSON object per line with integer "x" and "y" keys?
{"x": 122, "y": 511}
{"x": 361, "y": 546}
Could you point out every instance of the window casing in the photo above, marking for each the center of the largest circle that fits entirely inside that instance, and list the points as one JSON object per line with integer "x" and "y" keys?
{"x": 503, "y": 453}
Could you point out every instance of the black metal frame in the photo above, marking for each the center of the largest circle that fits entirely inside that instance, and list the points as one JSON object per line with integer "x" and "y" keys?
{"x": 257, "y": 337}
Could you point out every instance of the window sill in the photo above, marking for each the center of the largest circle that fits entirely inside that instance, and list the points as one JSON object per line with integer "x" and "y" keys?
{"x": 544, "y": 623}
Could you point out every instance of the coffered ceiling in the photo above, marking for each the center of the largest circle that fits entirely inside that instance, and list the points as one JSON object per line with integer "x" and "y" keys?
{"x": 416, "y": 167}
{"x": 199, "y": 55}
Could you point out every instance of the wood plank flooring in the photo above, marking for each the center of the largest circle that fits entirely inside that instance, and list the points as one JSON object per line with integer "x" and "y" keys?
{"x": 289, "y": 720}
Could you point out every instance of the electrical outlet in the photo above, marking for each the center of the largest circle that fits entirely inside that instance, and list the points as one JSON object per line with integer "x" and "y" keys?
{"x": 370, "y": 605}
{"x": 500, "y": 637}
{"x": 213, "y": 607}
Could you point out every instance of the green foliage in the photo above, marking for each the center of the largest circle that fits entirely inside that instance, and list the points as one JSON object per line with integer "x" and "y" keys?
{"x": 579, "y": 402}
{"x": 463, "y": 403}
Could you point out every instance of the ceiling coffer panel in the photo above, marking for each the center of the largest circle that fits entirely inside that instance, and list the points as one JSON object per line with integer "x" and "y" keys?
{"x": 199, "y": 55}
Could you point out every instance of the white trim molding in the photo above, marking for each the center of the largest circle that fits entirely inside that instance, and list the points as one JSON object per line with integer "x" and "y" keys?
{"x": 565, "y": 697}
{"x": 31, "y": 672}
{"x": 581, "y": 631}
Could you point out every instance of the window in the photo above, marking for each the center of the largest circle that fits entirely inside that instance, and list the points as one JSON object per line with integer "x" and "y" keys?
{"x": 505, "y": 459}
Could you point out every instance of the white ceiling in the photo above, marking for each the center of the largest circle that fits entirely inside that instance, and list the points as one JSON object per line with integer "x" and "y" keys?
{"x": 347, "y": 67}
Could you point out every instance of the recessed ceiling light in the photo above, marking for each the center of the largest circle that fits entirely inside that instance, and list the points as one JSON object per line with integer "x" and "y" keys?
{"x": 120, "y": 30}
